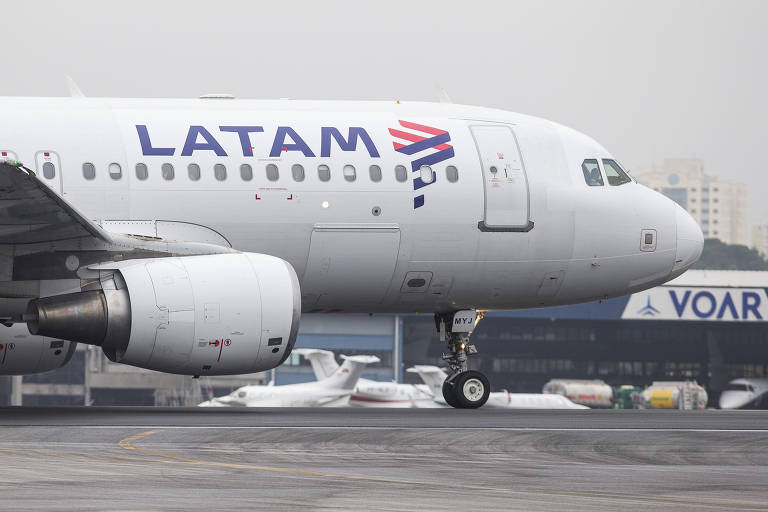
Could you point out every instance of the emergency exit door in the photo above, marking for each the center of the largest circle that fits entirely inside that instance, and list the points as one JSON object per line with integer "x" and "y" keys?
{"x": 504, "y": 180}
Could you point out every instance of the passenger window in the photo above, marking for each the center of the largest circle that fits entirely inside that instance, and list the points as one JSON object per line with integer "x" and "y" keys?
{"x": 89, "y": 171}
{"x": 272, "y": 172}
{"x": 401, "y": 174}
{"x": 614, "y": 173}
{"x": 297, "y": 170}
{"x": 246, "y": 172}
{"x": 141, "y": 171}
{"x": 350, "y": 174}
{"x": 49, "y": 171}
{"x": 591, "y": 171}
{"x": 427, "y": 176}
{"x": 115, "y": 171}
{"x": 323, "y": 172}
{"x": 220, "y": 172}
{"x": 452, "y": 173}
{"x": 193, "y": 170}
{"x": 167, "y": 171}
{"x": 375, "y": 173}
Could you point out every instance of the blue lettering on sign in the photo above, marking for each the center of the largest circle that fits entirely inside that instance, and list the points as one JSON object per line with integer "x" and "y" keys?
{"x": 703, "y": 304}
{"x": 728, "y": 303}
{"x": 748, "y": 305}
{"x": 679, "y": 307}
{"x": 350, "y": 144}
{"x": 210, "y": 143}
{"x": 298, "y": 143}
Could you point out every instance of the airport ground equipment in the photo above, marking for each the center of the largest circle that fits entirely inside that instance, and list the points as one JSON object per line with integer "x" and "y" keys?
{"x": 627, "y": 397}
{"x": 684, "y": 395}
{"x": 592, "y": 393}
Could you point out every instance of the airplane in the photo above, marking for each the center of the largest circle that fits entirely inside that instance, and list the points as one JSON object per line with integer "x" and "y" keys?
{"x": 747, "y": 393}
{"x": 332, "y": 391}
{"x": 189, "y": 235}
{"x": 434, "y": 377}
{"x": 367, "y": 392}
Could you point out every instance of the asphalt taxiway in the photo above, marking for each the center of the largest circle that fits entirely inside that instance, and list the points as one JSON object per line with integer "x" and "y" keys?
{"x": 381, "y": 459}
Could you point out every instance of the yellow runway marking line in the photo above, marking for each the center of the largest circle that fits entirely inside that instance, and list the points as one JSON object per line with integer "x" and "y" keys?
{"x": 167, "y": 458}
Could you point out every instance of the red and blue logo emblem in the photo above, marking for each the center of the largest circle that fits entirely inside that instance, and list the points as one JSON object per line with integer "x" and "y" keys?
{"x": 417, "y": 141}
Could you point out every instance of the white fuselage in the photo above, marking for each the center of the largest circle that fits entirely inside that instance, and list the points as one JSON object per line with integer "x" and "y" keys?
{"x": 511, "y": 224}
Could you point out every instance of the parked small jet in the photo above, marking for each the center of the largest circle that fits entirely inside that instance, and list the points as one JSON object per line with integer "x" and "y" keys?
{"x": 745, "y": 394}
{"x": 434, "y": 378}
{"x": 370, "y": 393}
{"x": 332, "y": 391}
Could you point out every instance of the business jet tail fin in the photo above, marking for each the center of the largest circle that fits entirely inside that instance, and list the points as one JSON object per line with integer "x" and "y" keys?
{"x": 323, "y": 361}
{"x": 347, "y": 375}
{"x": 432, "y": 376}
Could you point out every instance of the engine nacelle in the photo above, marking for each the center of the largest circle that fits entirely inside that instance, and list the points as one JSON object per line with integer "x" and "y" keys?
{"x": 218, "y": 314}
{"x": 22, "y": 353}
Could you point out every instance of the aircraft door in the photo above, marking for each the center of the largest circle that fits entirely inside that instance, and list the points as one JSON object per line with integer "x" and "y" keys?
{"x": 504, "y": 179}
{"x": 48, "y": 169}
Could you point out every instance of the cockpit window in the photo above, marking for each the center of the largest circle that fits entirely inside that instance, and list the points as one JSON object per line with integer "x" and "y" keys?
{"x": 614, "y": 173}
{"x": 591, "y": 171}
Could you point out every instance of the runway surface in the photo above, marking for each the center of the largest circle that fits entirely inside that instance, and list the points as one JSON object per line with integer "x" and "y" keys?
{"x": 381, "y": 459}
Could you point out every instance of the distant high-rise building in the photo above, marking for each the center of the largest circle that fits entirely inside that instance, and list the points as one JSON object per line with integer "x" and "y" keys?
{"x": 719, "y": 207}
{"x": 760, "y": 238}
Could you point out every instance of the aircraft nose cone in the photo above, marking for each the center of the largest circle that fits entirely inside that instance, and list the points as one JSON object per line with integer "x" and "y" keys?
{"x": 690, "y": 242}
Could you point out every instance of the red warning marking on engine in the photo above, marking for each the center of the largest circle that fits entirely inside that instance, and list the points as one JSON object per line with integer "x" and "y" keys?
{"x": 290, "y": 197}
{"x": 257, "y": 197}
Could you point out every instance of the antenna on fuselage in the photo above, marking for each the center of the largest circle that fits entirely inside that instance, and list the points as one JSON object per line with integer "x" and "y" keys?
{"x": 74, "y": 90}
{"x": 442, "y": 96}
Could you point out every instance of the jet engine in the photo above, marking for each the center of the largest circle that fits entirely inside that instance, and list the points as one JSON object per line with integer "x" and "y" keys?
{"x": 22, "y": 353}
{"x": 195, "y": 315}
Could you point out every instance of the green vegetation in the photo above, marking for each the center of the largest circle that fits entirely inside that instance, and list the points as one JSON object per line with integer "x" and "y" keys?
{"x": 721, "y": 256}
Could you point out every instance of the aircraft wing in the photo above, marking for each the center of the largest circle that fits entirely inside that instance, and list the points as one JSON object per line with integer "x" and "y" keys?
{"x": 42, "y": 236}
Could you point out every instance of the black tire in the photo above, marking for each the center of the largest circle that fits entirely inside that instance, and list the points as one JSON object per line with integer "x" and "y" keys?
{"x": 449, "y": 394}
{"x": 471, "y": 389}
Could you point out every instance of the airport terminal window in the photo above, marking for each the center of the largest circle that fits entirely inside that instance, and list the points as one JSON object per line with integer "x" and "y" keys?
{"x": 323, "y": 172}
{"x": 375, "y": 173}
{"x": 297, "y": 170}
{"x": 167, "y": 171}
{"x": 615, "y": 174}
{"x": 452, "y": 173}
{"x": 115, "y": 171}
{"x": 193, "y": 170}
{"x": 273, "y": 174}
{"x": 89, "y": 171}
{"x": 220, "y": 172}
{"x": 141, "y": 171}
{"x": 246, "y": 172}
{"x": 401, "y": 174}
{"x": 49, "y": 171}
{"x": 349, "y": 172}
{"x": 591, "y": 171}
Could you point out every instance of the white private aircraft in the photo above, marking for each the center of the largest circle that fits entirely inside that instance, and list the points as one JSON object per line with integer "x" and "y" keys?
{"x": 747, "y": 393}
{"x": 188, "y": 236}
{"x": 370, "y": 393}
{"x": 435, "y": 377}
{"x": 332, "y": 391}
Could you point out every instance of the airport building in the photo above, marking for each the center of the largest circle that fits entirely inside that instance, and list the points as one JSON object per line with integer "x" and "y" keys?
{"x": 760, "y": 238}
{"x": 711, "y": 326}
{"x": 720, "y": 208}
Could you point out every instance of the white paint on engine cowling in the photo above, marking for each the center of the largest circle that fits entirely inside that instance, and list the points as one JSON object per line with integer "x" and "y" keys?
{"x": 22, "y": 353}
{"x": 211, "y": 315}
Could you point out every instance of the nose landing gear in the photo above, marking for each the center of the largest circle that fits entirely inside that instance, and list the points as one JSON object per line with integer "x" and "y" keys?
{"x": 463, "y": 388}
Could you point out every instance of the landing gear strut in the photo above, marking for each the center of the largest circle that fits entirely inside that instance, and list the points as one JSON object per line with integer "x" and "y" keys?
{"x": 463, "y": 388}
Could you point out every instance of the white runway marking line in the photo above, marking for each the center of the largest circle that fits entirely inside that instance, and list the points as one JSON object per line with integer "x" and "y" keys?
{"x": 368, "y": 427}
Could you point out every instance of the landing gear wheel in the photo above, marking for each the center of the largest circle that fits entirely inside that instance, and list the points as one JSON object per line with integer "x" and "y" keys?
{"x": 449, "y": 393}
{"x": 471, "y": 389}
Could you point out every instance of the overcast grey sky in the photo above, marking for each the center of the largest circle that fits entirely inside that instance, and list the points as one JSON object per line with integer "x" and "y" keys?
{"x": 648, "y": 80}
